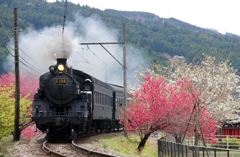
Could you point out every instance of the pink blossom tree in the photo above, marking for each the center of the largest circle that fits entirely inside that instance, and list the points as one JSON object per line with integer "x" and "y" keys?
{"x": 158, "y": 105}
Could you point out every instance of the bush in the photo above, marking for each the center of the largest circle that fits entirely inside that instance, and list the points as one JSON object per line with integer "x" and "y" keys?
{"x": 233, "y": 143}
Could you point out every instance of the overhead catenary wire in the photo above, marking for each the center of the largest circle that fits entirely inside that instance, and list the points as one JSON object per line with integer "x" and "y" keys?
{"x": 83, "y": 57}
{"x": 64, "y": 19}
{"x": 87, "y": 62}
{"x": 64, "y": 16}
{"x": 96, "y": 56}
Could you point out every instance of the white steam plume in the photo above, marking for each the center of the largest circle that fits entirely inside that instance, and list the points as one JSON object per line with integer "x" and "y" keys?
{"x": 40, "y": 50}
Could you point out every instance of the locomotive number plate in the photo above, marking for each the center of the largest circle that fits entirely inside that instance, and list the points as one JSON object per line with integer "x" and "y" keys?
{"x": 60, "y": 81}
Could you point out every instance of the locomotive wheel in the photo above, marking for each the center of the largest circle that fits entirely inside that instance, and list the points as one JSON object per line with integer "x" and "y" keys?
{"x": 102, "y": 126}
{"x": 73, "y": 134}
{"x": 118, "y": 126}
{"x": 95, "y": 127}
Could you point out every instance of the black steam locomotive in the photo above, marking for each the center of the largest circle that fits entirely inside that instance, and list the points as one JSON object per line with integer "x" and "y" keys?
{"x": 70, "y": 103}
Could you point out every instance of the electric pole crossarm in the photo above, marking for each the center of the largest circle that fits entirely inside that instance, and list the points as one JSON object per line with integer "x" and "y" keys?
{"x": 123, "y": 42}
{"x": 102, "y": 43}
{"x": 112, "y": 56}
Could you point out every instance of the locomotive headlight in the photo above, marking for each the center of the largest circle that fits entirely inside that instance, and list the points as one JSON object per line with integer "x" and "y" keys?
{"x": 60, "y": 67}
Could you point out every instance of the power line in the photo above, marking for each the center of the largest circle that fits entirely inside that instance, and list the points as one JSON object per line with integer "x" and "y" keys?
{"x": 28, "y": 66}
{"x": 19, "y": 56}
{"x": 28, "y": 71}
{"x": 5, "y": 45}
{"x": 13, "y": 56}
{"x": 4, "y": 29}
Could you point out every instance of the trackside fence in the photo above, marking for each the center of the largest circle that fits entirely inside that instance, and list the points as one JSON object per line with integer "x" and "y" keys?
{"x": 170, "y": 149}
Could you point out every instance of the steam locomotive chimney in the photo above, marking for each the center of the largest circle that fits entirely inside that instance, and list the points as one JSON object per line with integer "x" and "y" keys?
{"x": 62, "y": 61}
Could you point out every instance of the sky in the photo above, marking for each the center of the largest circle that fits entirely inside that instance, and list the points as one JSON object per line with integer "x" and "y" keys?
{"x": 222, "y": 15}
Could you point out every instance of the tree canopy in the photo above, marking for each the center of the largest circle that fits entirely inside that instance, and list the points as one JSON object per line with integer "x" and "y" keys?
{"x": 183, "y": 99}
{"x": 28, "y": 87}
{"x": 159, "y": 105}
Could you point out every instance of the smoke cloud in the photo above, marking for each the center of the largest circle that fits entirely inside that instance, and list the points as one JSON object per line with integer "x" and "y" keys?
{"x": 40, "y": 49}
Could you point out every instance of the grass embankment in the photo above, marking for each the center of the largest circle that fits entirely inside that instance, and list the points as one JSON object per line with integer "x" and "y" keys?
{"x": 5, "y": 144}
{"x": 119, "y": 144}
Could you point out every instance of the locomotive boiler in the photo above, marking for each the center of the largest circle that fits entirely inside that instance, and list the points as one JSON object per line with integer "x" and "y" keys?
{"x": 70, "y": 102}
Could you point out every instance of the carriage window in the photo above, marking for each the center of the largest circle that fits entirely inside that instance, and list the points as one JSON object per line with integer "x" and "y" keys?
{"x": 110, "y": 101}
{"x": 105, "y": 100}
{"x": 102, "y": 99}
{"x": 118, "y": 102}
{"x": 95, "y": 97}
{"x": 98, "y": 95}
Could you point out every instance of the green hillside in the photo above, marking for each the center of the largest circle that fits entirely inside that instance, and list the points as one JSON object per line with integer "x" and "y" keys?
{"x": 158, "y": 38}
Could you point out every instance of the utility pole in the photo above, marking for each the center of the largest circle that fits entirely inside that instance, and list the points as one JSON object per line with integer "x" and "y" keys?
{"x": 16, "y": 134}
{"x": 124, "y": 72}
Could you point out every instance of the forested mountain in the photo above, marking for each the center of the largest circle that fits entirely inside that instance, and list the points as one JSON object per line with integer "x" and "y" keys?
{"x": 157, "y": 37}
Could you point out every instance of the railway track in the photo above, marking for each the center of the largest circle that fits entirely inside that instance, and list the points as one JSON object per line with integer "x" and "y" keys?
{"x": 61, "y": 150}
{"x": 74, "y": 149}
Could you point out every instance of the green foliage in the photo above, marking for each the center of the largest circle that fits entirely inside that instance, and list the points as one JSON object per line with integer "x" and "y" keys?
{"x": 233, "y": 143}
{"x": 7, "y": 110}
{"x": 104, "y": 146}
